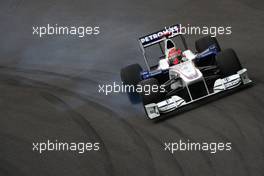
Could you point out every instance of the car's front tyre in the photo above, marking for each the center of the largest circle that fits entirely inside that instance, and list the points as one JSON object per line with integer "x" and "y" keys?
{"x": 228, "y": 62}
{"x": 131, "y": 76}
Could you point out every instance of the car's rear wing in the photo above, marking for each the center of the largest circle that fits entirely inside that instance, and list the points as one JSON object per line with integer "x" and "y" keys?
{"x": 156, "y": 37}
{"x": 159, "y": 36}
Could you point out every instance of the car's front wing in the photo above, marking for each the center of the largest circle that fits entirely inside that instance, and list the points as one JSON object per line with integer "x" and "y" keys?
{"x": 155, "y": 110}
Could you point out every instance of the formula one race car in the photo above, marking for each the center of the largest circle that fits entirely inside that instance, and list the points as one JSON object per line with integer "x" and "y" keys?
{"x": 181, "y": 76}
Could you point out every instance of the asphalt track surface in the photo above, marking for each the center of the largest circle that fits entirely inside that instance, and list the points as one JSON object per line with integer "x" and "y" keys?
{"x": 48, "y": 90}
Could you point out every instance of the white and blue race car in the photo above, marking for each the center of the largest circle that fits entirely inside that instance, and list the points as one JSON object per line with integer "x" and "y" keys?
{"x": 180, "y": 76}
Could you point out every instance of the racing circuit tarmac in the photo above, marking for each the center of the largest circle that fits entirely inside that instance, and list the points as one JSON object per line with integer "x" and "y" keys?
{"x": 49, "y": 90}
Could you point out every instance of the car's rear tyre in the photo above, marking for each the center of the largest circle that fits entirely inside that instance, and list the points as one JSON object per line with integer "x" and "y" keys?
{"x": 228, "y": 62}
{"x": 152, "y": 93}
{"x": 203, "y": 43}
{"x": 130, "y": 75}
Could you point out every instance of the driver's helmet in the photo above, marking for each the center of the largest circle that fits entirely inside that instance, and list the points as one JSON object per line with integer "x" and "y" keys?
{"x": 174, "y": 55}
